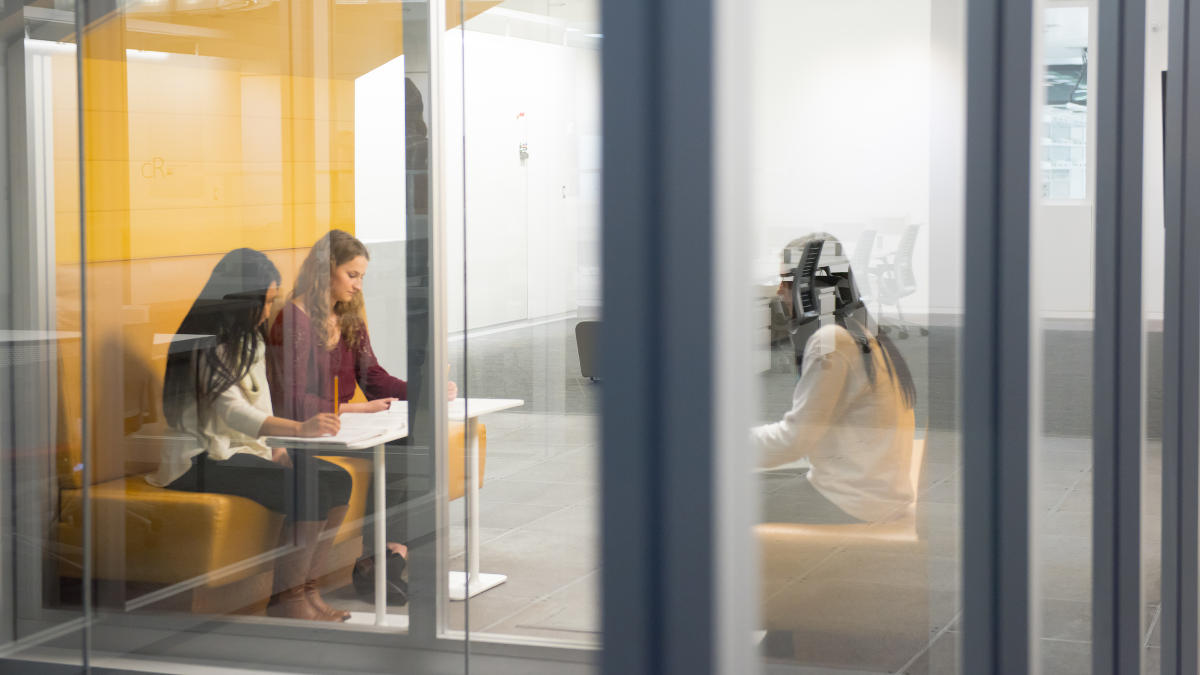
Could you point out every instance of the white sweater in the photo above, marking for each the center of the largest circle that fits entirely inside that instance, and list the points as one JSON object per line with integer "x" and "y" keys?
{"x": 232, "y": 426}
{"x": 858, "y": 437}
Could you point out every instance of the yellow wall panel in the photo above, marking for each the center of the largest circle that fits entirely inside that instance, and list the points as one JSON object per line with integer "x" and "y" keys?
{"x": 230, "y": 129}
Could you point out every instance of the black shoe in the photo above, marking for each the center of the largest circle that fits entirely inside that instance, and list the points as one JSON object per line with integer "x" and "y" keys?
{"x": 364, "y": 579}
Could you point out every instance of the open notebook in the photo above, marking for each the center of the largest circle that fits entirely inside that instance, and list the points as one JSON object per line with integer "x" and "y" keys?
{"x": 356, "y": 428}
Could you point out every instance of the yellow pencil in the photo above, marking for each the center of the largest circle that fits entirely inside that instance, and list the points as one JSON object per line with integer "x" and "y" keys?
{"x": 336, "y": 402}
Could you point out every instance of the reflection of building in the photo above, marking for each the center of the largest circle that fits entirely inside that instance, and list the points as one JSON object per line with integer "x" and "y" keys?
{"x": 1064, "y": 151}
{"x": 1064, "y": 160}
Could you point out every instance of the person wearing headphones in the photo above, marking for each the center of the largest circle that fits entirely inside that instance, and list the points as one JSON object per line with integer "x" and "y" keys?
{"x": 852, "y": 408}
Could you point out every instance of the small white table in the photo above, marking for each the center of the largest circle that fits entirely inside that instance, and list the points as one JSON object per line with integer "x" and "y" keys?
{"x": 394, "y": 426}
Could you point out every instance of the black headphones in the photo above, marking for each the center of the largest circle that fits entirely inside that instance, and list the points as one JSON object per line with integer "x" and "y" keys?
{"x": 822, "y": 285}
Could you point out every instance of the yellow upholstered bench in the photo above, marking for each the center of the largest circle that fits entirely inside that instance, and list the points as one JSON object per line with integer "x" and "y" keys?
{"x": 156, "y": 536}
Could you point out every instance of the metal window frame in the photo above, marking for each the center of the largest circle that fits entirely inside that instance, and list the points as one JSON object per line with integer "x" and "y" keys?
{"x": 995, "y": 351}
{"x": 1117, "y": 348}
{"x": 674, "y": 504}
{"x": 1181, "y": 350}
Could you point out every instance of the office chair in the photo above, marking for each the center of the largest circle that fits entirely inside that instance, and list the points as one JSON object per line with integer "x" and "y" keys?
{"x": 895, "y": 278}
{"x": 860, "y": 262}
{"x": 586, "y": 336}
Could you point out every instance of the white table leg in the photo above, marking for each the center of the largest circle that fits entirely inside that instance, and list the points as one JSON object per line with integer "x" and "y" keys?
{"x": 472, "y": 435}
{"x": 380, "y": 538}
{"x": 472, "y": 583}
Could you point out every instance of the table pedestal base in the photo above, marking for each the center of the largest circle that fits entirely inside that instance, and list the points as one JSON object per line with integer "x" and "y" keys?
{"x": 481, "y": 583}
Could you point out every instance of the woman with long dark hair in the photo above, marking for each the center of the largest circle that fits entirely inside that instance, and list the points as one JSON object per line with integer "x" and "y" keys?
{"x": 852, "y": 408}
{"x": 216, "y": 391}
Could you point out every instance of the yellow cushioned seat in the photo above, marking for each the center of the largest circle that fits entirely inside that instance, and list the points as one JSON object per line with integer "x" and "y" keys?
{"x": 154, "y": 535}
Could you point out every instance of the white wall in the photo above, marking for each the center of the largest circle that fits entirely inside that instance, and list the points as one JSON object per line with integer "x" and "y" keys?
{"x": 1154, "y": 235}
{"x": 860, "y": 121}
{"x": 525, "y": 219}
{"x": 379, "y": 207}
{"x": 841, "y": 125}
{"x": 379, "y": 168}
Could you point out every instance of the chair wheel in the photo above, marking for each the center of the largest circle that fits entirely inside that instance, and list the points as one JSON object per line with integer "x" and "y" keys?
{"x": 924, "y": 331}
{"x": 903, "y": 335}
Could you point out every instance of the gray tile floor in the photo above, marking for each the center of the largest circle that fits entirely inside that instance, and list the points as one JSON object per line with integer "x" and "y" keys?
{"x": 540, "y": 514}
{"x": 539, "y": 524}
{"x": 539, "y": 510}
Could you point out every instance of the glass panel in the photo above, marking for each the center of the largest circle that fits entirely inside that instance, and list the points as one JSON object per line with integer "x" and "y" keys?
{"x": 1062, "y": 292}
{"x": 857, "y": 142}
{"x": 1153, "y": 250}
{"x": 524, "y": 249}
{"x": 1064, "y": 119}
{"x": 41, "y": 468}
{"x": 232, "y": 151}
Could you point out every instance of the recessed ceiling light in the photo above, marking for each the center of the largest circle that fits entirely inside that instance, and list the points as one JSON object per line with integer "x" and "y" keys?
{"x": 595, "y": 35}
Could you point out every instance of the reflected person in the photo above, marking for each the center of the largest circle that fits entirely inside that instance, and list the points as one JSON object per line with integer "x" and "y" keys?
{"x": 215, "y": 390}
{"x": 852, "y": 408}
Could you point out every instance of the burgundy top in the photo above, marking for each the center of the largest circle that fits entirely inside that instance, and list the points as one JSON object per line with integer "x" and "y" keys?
{"x": 301, "y": 372}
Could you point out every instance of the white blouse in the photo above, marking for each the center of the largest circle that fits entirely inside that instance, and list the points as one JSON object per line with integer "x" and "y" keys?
{"x": 857, "y": 436}
{"x": 233, "y": 425}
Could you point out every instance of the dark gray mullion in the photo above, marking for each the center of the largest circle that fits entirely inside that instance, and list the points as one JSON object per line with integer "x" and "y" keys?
{"x": 1181, "y": 353}
{"x": 995, "y": 346}
{"x": 656, "y": 350}
{"x": 1116, "y": 397}
{"x": 687, "y": 306}
{"x": 630, "y": 519}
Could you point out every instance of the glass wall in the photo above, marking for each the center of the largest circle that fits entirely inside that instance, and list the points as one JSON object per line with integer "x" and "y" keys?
{"x": 301, "y": 324}
{"x": 1153, "y": 250}
{"x": 42, "y": 337}
{"x": 856, "y": 194}
{"x": 1062, "y": 232}
{"x": 270, "y": 334}
{"x": 523, "y": 271}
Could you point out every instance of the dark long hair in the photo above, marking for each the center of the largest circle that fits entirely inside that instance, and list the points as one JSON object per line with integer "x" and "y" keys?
{"x": 856, "y": 323}
{"x": 221, "y": 330}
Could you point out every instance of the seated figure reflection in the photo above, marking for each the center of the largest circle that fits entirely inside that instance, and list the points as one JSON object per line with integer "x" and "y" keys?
{"x": 852, "y": 408}
{"x": 215, "y": 390}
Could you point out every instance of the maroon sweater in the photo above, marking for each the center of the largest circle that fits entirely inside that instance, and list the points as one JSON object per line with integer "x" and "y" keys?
{"x": 301, "y": 372}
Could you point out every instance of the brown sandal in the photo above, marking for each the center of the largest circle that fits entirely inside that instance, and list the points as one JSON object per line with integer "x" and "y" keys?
{"x": 318, "y": 603}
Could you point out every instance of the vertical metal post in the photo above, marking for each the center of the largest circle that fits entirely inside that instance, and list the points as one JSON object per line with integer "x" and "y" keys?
{"x": 1181, "y": 351}
{"x": 631, "y": 521}
{"x": 424, "y": 27}
{"x": 659, "y": 481}
{"x": 1116, "y": 386}
{"x": 996, "y": 589}
{"x": 85, "y": 420}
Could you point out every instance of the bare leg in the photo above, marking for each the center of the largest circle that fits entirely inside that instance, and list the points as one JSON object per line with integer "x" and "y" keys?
{"x": 320, "y": 555}
{"x": 291, "y": 571}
